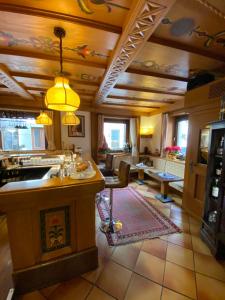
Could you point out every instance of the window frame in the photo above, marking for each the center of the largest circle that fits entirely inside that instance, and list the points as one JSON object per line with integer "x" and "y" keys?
{"x": 120, "y": 121}
{"x": 177, "y": 120}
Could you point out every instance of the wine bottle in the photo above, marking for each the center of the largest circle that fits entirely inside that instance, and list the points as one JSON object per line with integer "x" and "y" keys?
{"x": 215, "y": 188}
{"x": 220, "y": 147}
{"x": 219, "y": 169}
{"x": 222, "y": 108}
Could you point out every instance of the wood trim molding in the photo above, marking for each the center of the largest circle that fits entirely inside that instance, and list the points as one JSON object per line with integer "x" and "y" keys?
{"x": 146, "y": 90}
{"x": 7, "y": 80}
{"x": 155, "y": 74}
{"x": 142, "y": 20}
{"x": 129, "y": 105}
{"x": 26, "y": 10}
{"x": 185, "y": 47}
{"x": 139, "y": 99}
{"x": 44, "y": 56}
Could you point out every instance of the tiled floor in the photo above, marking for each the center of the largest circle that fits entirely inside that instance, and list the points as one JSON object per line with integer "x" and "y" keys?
{"x": 173, "y": 267}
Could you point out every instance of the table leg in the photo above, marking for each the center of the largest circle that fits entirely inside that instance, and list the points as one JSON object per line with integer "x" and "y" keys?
{"x": 164, "y": 189}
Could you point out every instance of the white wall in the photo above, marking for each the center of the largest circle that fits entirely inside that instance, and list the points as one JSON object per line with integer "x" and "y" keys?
{"x": 83, "y": 142}
{"x": 153, "y": 143}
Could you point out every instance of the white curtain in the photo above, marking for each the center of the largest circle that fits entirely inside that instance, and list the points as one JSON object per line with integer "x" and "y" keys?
{"x": 100, "y": 130}
{"x": 164, "y": 132}
{"x": 49, "y": 132}
{"x": 134, "y": 132}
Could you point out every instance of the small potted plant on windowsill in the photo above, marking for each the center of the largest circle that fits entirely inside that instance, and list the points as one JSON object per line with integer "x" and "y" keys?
{"x": 172, "y": 152}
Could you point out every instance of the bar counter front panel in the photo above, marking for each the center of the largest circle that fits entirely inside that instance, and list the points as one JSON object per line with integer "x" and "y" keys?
{"x": 51, "y": 227}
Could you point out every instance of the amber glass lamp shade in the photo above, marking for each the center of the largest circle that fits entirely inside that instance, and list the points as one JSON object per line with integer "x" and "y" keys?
{"x": 43, "y": 119}
{"x": 70, "y": 119}
{"x": 61, "y": 97}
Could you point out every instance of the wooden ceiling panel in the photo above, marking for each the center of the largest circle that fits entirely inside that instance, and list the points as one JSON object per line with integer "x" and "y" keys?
{"x": 191, "y": 23}
{"x": 165, "y": 85}
{"x": 153, "y": 96}
{"x": 35, "y": 34}
{"x": 166, "y": 60}
{"x": 113, "y": 12}
{"x": 140, "y": 103}
{"x": 117, "y": 107}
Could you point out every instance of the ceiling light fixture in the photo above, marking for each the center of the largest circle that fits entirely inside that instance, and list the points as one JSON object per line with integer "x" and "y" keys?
{"x": 70, "y": 119}
{"x": 43, "y": 118}
{"x": 61, "y": 97}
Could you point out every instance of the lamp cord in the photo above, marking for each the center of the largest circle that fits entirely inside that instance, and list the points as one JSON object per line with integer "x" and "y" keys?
{"x": 61, "y": 53}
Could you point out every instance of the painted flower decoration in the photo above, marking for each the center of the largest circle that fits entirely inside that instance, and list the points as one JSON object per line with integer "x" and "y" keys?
{"x": 83, "y": 51}
{"x": 85, "y": 5}
{"x": 55, "y": 220}
{"x": 7, "y": 39}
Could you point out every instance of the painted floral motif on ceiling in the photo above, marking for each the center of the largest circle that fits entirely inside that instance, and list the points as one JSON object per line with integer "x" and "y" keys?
{"x": 87, "y": 8}
{"x": 187, "y": 26}
{"x": 46, "y": 44}
{"x": 163, "y": 68}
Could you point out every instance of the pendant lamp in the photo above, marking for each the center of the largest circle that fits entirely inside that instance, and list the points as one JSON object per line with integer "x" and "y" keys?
{"x": 43, "y": 118}
{"x": 61, "y": 97}
{"x": 70, "y": 119}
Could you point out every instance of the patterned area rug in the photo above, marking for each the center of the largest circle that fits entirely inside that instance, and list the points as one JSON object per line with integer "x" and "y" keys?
{"x": 141, "y": 220}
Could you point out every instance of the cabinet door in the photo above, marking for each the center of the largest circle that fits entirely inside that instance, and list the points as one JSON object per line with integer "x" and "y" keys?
{"x": 195, "y": 170}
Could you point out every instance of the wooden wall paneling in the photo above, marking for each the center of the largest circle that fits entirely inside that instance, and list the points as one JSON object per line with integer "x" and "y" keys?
{"x": 140, "y": 24}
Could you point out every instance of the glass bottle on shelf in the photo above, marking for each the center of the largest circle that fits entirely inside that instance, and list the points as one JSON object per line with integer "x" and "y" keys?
{"x": 212, "y": 218}
{"x": 219, "y": 150}
{"x": 219, "y": 169}
{"x": 215, "y": 188}
{"x": 222, "y": 108}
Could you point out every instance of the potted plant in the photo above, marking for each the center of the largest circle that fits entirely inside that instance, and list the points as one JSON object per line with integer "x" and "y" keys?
{"x": 172, "y": 151}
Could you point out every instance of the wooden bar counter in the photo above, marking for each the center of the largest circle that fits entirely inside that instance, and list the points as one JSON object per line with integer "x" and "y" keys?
{"x": 51, "y": 226}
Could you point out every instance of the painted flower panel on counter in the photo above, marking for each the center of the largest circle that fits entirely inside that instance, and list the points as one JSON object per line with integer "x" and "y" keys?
{"x": 55, "y": 233}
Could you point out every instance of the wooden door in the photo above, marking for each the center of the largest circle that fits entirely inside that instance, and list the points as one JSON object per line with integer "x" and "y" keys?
{"x": 195, "y": 172}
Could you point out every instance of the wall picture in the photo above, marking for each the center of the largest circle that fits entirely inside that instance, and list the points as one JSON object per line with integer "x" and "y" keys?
{"x": 79, "y": 130}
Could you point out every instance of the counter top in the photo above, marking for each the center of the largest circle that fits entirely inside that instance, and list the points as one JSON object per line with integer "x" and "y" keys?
{"x": 50, "y": 183}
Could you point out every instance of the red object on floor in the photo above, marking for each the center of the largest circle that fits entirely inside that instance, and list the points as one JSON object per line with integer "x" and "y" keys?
{"x": 141, "y": 220}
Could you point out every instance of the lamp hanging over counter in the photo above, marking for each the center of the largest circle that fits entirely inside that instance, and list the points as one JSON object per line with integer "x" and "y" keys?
{"x": 61, "y": 97}
{"x": 43, "y": 118}
{"x": 70, "y": 119}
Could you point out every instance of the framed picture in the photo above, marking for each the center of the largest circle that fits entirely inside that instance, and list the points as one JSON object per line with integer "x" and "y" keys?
{"x": 79, "y": 130}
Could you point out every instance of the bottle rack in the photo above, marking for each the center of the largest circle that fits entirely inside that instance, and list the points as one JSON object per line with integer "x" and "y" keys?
{"x": 213, "y": 225}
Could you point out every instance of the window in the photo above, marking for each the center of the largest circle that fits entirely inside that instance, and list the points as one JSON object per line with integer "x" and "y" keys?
{"x": 181, "y": 133}
{"x": 21, "y": 134}
{"x": 116, "y": 132}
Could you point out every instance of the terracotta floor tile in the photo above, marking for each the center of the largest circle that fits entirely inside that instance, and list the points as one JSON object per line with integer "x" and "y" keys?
{"x": 195, "y": 229}
{"x": 97, "y": 294}
{"x": 179, "y": 215}
{"x": 209, "y": 266}
{"x": 114, "y": 280}
{"x": 150, "y": 266}
{"x": 46, "y": 292}
{"x": 127, "y": 255}
{"x": 181, "y": 239}
{"x": 103, "y": 247}
{"x": 171, "y": 295}
{"x": 32, "y": 296}
{"x": 156, "y": 247}
{"x": 180, "y": 279}
{"x": 184, "y": 226}
{"x": 143, "y": 289}
{"x": 180, "y": 256}
{"x": 76, "y": 288}
{"x": 209, "y": 289}
{"x": 165, "y": 211}
{"x": 92, "y": 276}
{"x": 200, "y": 246}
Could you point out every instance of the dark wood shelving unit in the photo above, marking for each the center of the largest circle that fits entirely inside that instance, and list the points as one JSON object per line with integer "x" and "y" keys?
{"x": 213, "y": 232}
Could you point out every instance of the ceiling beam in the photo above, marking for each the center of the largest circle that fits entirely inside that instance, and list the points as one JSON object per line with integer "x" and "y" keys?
{"x": 139, "y": 99}
{"x": 185, "y": 47}
{"x": 37, "y": 12}
{"x": 130, "y": 105}
{"x": 146, "y": 90}
{"x": 142, "y": 20}
{"x": 12, "y": 84}
{"x": 44, "y": 56}
{"x": 51, "y": 78}
{"x": 155, "y": 74}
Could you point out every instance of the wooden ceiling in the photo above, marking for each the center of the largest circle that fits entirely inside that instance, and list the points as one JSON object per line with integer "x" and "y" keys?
{"x": 122, "y": 55}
